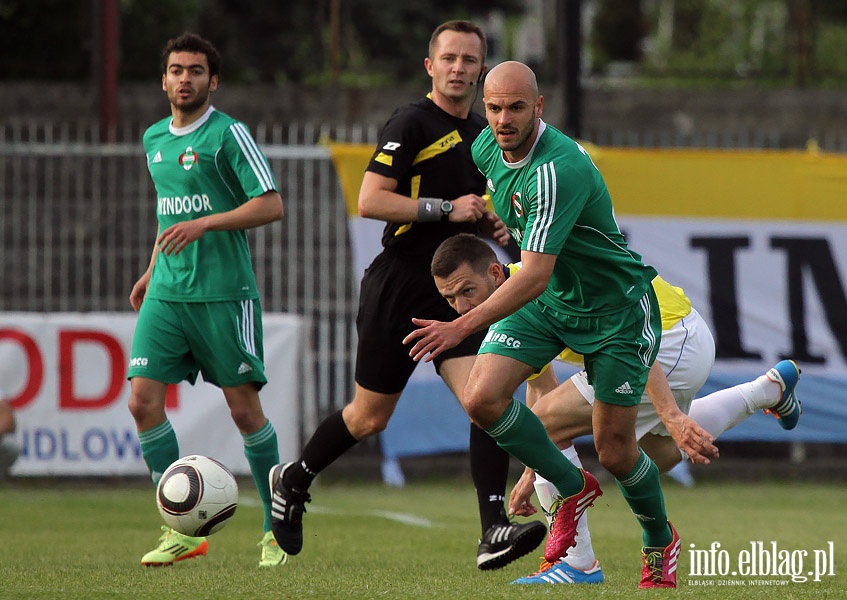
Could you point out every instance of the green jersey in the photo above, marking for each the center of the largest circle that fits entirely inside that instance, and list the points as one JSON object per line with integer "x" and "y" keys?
{"x": 211, "y": 166}
{"x": 555, "y": 201}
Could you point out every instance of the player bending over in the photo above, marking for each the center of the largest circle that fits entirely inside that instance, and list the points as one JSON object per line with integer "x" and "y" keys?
{"x": 466, "y": 271}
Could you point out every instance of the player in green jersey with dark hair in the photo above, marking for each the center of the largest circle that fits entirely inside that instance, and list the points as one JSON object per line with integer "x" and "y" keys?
{"x": 198, "y": 303}
{"x": 581, "y": 288}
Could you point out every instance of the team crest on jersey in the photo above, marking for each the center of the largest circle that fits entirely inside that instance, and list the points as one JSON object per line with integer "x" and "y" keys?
{"x": 188, "y": 158}
{"x": 516, "y": 203}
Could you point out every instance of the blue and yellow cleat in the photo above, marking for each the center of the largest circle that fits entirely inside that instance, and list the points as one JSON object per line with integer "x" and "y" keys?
{"x": 788, "y": 410}
{"x": 562, "y": 572}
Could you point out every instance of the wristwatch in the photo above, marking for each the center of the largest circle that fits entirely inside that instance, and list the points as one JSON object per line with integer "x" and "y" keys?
{"x": 446, "y": 209}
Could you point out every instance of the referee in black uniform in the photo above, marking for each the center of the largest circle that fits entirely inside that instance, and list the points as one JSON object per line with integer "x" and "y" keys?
{"x": 422, "y": 182}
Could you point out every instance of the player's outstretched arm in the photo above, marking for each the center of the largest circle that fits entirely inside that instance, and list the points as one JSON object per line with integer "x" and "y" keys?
{"x": 434, "y": 337}
{"x": 692, "y": 439}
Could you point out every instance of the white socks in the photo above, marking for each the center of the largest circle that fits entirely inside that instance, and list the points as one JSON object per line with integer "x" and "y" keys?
{"x": 581, "y": 556}
{"x": 716, "y": 413}
{"x": 724, "y": 409}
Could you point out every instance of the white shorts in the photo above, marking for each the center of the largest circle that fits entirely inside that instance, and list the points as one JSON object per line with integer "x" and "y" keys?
{"x": 686, "y": 354}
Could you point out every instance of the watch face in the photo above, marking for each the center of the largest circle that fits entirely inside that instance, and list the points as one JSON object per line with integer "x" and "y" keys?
{"x": 446, "y": 206}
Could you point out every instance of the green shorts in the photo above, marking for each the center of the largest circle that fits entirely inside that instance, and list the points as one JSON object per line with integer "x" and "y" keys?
{"x": 174, "y": 341}
{"x": 618, "y": 349}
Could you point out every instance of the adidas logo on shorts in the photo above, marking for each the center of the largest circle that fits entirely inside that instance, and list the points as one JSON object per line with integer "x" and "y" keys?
{"x": 624, "y": 389}
{"x": 244, "y": 368}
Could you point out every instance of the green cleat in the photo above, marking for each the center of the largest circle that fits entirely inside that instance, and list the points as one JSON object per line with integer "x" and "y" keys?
{"x": 174, "y": 547}
{"x": 272, "y": 554}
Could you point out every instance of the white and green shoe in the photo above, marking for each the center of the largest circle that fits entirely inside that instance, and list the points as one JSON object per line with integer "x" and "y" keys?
{"x": 272, "y": 554}
{"x": 174, "y": 547}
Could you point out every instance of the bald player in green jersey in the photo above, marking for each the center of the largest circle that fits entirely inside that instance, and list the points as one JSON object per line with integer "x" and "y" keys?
{"x": 198, "y": 303}
{"x": 581, "y": 288}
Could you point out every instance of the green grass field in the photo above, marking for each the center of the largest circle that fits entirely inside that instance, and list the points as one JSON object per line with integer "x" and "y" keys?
{"x": 364, "y": 540}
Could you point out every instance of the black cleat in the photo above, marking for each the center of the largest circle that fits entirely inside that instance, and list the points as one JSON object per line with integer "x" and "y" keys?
{"x": 287, "y": 508}
{"x": 503, "y": 543}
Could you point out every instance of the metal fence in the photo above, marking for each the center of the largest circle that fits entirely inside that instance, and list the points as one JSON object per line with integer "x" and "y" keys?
{"x": 78, "y": 224}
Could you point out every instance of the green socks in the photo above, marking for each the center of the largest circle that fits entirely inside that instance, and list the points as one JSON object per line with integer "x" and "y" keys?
{"x": 262, "y": 452}
{"x": 643, "y": 492}
{"x": 159, "y": 448}
{"x": 520, "y": 433}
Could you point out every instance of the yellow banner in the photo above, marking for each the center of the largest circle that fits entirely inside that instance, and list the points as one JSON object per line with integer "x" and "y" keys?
{"x": 350, "y": 162}
{"x": 732, "y": 184}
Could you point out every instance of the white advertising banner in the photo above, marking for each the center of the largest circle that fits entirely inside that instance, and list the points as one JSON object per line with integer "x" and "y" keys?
{"x": 768, "y": 289}
{"x": 66, "y": 375}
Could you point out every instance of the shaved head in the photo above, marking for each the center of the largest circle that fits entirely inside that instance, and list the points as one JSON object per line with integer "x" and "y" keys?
{"x": 513, "y": 108}
{"x": 513, "y": 76}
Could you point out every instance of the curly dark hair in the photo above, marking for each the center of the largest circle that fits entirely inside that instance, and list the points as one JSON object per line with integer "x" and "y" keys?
{"x": 191, "y": 42}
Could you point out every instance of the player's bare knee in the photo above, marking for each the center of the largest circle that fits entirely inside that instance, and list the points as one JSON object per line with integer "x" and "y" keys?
{"x": 364, "y": 423}
{"x": 147, "y": 405}
{"x": 557, "y": 425}
{"x": 612, "y": 462}
{"x": 377, "y": 424}
{"x": 246, "y": 419}
{"x": 368, "y": 426}
{"x": 616, "y": 456}
{"x": 139, "y": 406}
{"x": 481, "y": 409}
{"x": 545, "y": 412}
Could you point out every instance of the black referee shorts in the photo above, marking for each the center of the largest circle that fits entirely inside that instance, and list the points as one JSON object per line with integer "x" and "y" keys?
{"x": 393, "y": 291}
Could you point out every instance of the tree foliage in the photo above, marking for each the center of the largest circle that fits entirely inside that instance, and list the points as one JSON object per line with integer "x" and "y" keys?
{"x": 35, "y": 47}
{"x": 618, "y": 31}
{"x": 376, "y": 41}
{"x": 383, "y": 42}
{"x": 264, "y": 41}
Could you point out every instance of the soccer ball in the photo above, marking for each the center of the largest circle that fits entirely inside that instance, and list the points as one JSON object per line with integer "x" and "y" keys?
{"x": 197, "y": 495}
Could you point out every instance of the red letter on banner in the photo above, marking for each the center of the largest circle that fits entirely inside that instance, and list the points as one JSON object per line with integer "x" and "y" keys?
{"x": 117, "y": 369}
{"x": 36, "y": 366}
{"x": 172, "y": 396}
